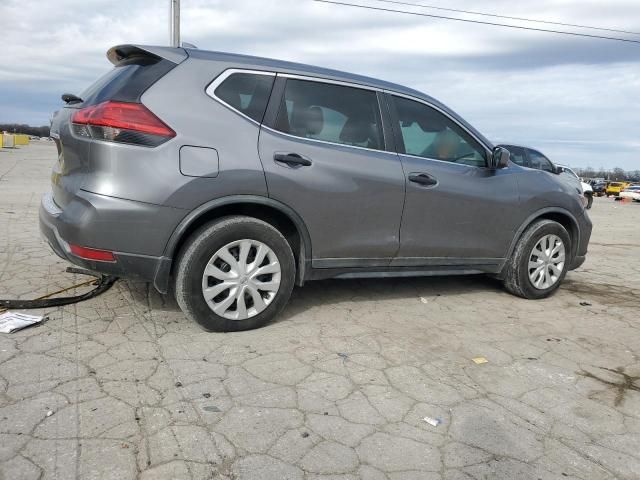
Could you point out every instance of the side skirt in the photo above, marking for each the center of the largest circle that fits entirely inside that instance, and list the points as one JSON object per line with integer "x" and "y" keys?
{"x": 394, "y": 272}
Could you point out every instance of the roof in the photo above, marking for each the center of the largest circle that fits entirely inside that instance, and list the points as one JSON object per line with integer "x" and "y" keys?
{"x": 251, "y": 62}
{"x": 304, "y": 69}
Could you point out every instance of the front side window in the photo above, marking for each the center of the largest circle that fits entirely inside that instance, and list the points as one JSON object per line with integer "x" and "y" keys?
{"x": 430, "y": 134}
{"x": 539, "y": 161}
{"x": 331, "y": 113}
{"x": 247, "y": 93}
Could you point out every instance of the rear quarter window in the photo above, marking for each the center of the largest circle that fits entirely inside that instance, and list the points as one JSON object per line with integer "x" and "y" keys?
{"x": 128, "y": 80}
{"x": 246, "y": 92}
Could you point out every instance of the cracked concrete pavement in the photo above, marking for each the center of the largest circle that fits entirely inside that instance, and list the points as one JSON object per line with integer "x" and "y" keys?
{"x": 337, "y": 388}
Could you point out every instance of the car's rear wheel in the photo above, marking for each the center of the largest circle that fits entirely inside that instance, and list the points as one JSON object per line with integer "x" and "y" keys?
{"x": 540, "y": 260}
{"x": 234, "y": 274}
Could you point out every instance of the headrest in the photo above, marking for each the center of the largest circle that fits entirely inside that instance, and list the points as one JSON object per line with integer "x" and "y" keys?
{"x": 315, "y": 120}
{"x": 308, "y": 121}
{"x": 357, "y": 130}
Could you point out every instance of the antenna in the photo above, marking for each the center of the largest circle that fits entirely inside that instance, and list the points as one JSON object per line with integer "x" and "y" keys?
{"x": 174, "y": 23}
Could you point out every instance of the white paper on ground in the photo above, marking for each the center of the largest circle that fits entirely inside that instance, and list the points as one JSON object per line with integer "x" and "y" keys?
{"x": 13, "y": 321}
{"x": 432, "y": 421}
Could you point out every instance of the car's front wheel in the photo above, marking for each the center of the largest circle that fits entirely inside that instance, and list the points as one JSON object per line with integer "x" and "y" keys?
{"x": 234, "y": 274}
{"x": 540, "y": 260}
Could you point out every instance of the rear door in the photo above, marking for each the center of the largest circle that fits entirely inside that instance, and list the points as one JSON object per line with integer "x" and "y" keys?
{"x": 457, "y": 211}
{"x": 322, "y": 146}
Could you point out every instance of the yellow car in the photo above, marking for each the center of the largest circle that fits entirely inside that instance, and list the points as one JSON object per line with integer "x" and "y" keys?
{"x": 614, "y": 188}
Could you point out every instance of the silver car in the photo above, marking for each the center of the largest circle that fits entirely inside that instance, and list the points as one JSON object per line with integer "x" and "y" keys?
{"x": 233, "y": 178}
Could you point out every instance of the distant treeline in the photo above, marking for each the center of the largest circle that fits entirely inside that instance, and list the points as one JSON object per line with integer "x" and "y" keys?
{"x": 26, "y": 129}
{"x": 616, "y": 174}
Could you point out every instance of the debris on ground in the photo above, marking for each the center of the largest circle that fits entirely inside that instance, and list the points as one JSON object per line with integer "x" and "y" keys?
{"x": 424, "y": 300}
{"x": 49, "y": 413}
{"x": 585, "y": 304}
{"x": 13, "y": 321}
{"x": 102, "y": 284}
{"x": 211, "y": 408}
{"x": 480, "y": 360}
{"x": 432, "y": 421}
{"x": 343, "y": 356}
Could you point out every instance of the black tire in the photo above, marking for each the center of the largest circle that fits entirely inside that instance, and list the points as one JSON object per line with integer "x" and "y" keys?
{"x": 589, "y": 200}
{"x": 516, "y": 274}
{"x": 203, "y": 244}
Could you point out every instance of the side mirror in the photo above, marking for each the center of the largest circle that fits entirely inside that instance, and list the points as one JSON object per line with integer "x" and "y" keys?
{"x": 499, "y": 157}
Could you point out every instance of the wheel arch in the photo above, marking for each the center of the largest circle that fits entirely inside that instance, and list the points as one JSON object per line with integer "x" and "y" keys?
{"x": 277, "y": 214}
{"x": 560, "y": 215}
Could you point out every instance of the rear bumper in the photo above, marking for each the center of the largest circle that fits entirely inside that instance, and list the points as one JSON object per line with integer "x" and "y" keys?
{"x": 108, "y": 223}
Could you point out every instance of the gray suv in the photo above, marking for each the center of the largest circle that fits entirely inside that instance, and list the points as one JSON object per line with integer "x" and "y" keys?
{"x": 232, "y": 178}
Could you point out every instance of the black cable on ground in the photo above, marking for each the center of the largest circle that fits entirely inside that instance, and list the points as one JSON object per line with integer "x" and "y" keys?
{"x": 102, "y": 283}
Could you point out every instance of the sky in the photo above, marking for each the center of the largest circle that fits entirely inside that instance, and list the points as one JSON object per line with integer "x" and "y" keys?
{"x": 576, "y": 99}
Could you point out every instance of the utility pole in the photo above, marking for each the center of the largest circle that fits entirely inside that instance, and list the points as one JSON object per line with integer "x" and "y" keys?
{"x": 174, "y": 22}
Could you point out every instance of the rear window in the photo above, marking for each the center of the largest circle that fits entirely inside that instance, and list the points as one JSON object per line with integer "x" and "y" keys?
{"x": 248, "y": 93}
{"x": 331, "y": 113}
{"x": 128, "y": 80}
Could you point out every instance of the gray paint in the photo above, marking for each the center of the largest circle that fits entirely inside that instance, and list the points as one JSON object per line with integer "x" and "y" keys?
{"x": 199, "y": 161}
{"x": 354, "y": 208}
{"x": 350, "y": 198}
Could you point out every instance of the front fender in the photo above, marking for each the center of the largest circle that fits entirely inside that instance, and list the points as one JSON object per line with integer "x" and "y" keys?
{"x": 544, "y": 213}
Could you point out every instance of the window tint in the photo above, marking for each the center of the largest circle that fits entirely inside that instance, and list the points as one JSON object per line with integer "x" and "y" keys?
{"x": 127, "y": 81}
{"x": 539, "y": 161}
{"x": 332, "y": 113}
{"x": 428, "y": 133}
{"x": 246, "y": 92}
{"x": 517, "y": 155}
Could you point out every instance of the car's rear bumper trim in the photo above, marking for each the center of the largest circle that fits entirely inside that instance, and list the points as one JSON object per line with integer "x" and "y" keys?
{"x": 144, "y": 267}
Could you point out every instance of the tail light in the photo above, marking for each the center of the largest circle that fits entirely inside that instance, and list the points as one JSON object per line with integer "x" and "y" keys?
{"x": 121, "y": 122}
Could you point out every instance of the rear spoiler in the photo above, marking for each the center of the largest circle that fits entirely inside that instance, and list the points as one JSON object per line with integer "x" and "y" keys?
{"x": 121, "y": 52}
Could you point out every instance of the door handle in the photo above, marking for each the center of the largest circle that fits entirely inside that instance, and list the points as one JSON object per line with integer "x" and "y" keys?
{"x": 292, "y": 159}
{"x": 423, "y": 179}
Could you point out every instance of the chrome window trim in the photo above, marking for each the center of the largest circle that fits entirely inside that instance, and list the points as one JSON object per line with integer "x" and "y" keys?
{"x": 210, "y": 91}
{"x": 448, "y": 162}
{"x": 211, "y": 88}
{"x": 343, "y": 84}
{"x": 309, "y": 78}
{"x": 326, "y": 141}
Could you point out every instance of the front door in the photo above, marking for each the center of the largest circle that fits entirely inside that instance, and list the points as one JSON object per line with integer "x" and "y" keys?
{"x": 324, "y": 156}
{"x": 457, "y": 211}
